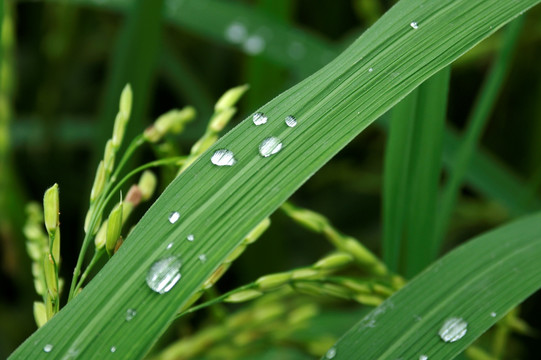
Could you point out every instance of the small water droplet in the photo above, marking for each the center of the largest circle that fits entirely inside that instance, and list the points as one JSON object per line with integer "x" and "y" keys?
{"x": 423, "y": 357}
{"x": 493, "y": 314}
{"x": 169, "y": 246}
{"x": 236, "y": 33}
{"x": 453, "y": 329}
{"x": 164, "y": 274}
{"x": 113, "y": 349}
{"x": 270, "y": 146}
{"x": 259, "y": 118}
{"x": 202, "y": 257}
{"x": 254, "y": 45}
{"x": 291, "y": 121}
{"x": 370, "y": 70}
{"x": 48, "y": 348}
{"x": 173, "y": 217}
{"x": 190, "y": 237}
{"x": 130, "y": 314}
{"x": 223, "y": 157}
{"x": 414, "y": 25}
{"x": 331, "y": 353}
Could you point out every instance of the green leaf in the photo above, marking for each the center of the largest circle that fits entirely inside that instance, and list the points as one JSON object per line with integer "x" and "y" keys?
{"x": 220, "y": 205}
{"x": 412, "y": 173}
{"x": 477, "y": 282}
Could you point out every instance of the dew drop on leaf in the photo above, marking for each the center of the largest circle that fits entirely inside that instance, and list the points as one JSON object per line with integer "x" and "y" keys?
{"x": 370, "y": 70}
{"x": 270, "y": 146}
{"x": 203, "y": 258}
{"x": 164, "y": 274}
{"x": 113, "y": 349}
{"x": 169, "y": 246}
{"x": 48, "y": 348}
{"x": 414, "y": 25}
{"x": 236, "y": 32}
{"x": 493, "y": 314}
{"x": 259, "y": 118}
{"x": 254, "y": 45}
{"x": 173, "y": 217}
{"x": 223, "y": 157}
{"x": 453, "y": 329}
{"x": 331, "y": 353}
{"x": 291, "y": 121}
{"x": 130, "y": 314}
{"x": 190, "y": 237}
{"x": 423, "y": 357}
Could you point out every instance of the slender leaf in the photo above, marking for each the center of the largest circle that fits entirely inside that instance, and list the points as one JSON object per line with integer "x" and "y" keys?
{"x": 220, "y": 205}
{"x": 412, "y": 171}
{"x": 476, "y": 123}
{"x": 476, "y": 282}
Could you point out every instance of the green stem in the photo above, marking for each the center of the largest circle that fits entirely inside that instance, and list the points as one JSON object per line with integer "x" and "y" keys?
{"x": 94, "y": 261}
{"x": 100, "y": 204}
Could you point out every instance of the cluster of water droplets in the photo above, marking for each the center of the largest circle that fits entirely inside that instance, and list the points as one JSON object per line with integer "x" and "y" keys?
{"x": 237, "y": 33}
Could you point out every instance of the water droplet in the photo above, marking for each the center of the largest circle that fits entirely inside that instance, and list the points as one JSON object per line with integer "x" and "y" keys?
{"x": 414, "y": 25}
{"x": 291, "y": 121}
{"x": 173, "y": 217}
{"x": 423, "y": 357}
{"x": 270, "y": 146}
{"x": 259, "y": 118}
{"x": 331, "y": 353}
{"x": 254, "y": 45}
{"x": 130, "y": 314}
{"x": 113, "y": 349}
{"x": 493, "y": 314}
{"x": 223, "y": 157}
{"x": 164, "y": 274}
{"x": 48, "y": 348}
{"x": 202, "y": 257}
{"x": 236, "y": 33}
{"x": 190, "y": 237}
{"x": 370, "y": 70}
{"x": 169, "y": 246}
{"x": 453, "y": 329}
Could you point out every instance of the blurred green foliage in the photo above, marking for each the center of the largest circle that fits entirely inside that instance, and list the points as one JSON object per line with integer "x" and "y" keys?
{"x": 64, "y": 65}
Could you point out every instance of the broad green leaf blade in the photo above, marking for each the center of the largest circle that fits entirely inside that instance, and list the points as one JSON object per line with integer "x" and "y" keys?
{"x": 220, "y": 205}
{"x": 478, "y": 282}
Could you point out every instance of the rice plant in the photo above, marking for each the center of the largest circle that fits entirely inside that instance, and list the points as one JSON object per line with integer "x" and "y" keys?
{"x": 232, "y": 224}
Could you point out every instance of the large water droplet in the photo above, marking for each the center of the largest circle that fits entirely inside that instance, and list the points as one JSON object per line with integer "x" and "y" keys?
{"x": 130, "y": 314}
{"x": 331, "y": 353}
{"x": 173, "y": 217}
{"x": 48, "y": 348}
{"x": 190, "y": 237}
{"x": 223, "y": 157}
{"x": 414, "y": 25}
{"x": 453, "y": 329}
{"x": 270, "y": 146}
{"x": 259, "y": 118}
{"x": 291, "y": 121}
{"x": 164, "y": 274}
{"x": 254, "y": 45}
{"x": 236, "y": 33}
{"x": 113, "y": 349}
